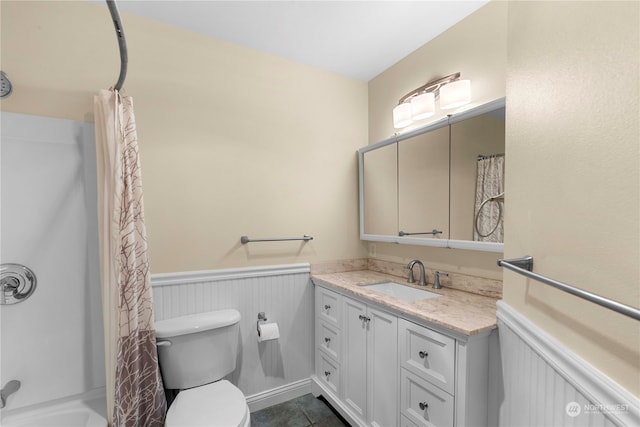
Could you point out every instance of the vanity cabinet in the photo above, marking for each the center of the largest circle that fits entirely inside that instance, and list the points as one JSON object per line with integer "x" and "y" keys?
{"x": 380, "y": 367}
{"x": 369, "y": 363}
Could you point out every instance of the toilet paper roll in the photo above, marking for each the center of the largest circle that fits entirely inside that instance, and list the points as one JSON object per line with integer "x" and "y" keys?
{"x": 268, "y": 332}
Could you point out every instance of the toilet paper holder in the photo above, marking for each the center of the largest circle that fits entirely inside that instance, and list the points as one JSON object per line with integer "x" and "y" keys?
{"x": 261, "y": 317}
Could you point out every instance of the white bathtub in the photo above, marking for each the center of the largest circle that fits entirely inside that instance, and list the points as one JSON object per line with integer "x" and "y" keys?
{"x": 74, "y": 413}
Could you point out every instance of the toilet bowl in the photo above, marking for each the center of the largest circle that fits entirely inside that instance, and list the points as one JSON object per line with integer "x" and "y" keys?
{"x": 216, "y": 404}
{"x": 195, "y": 353}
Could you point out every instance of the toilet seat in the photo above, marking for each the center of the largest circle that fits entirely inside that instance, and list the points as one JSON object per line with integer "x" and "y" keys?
{"x": 218, "y": 404}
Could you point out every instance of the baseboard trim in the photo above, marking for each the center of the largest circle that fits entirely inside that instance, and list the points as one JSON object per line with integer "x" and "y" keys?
{"x": 592, "y": 383}
{"x": 278, "y": 395}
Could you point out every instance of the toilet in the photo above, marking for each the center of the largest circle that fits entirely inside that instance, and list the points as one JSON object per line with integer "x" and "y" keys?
{"x": 195, "y": 353}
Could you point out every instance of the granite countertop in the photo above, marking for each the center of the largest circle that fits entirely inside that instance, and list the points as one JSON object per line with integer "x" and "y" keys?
{"x": 460, "y": 311}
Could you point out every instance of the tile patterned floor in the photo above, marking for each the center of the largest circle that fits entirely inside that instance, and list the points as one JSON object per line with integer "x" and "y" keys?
{"x": 304, "y": 411}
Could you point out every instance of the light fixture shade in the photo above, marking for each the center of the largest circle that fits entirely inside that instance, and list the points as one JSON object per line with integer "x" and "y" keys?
{"x": 402, "y": 115}
{"x": 423, "y": 106}
{"x": 455, "y": 94}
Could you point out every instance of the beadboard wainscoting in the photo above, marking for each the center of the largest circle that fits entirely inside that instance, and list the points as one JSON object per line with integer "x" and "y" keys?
{"x": 270, "y": 372}
{"x": 546, "y": 384}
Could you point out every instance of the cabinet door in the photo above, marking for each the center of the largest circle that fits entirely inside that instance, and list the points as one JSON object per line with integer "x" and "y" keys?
{"x": 354, "y": 352}
{"x": 382, "y": 368}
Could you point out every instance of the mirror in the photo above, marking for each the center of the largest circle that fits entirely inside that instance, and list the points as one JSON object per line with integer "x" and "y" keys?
{"x": 420, "y": 187}
{"x": 380, "y": 174}
{"x": 477, "y": 178}
{"x": 423, "y": 185}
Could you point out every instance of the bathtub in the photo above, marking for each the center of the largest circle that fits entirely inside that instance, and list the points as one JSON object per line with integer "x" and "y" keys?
{"x": 70, "y": 413}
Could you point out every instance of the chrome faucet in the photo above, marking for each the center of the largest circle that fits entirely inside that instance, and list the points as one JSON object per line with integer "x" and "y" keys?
{"x": 9, "y": 388}
{"x": 411, "y": 279}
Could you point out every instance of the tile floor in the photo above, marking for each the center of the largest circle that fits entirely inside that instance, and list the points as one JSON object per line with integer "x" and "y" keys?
{"x": 304, "y": 411}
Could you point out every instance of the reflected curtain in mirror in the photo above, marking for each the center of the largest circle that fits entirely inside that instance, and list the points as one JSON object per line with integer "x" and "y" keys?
{"x": 489, "y": 203}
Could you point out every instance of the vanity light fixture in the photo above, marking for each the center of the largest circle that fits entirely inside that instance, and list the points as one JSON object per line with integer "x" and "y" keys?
{"x": 420, "y": 103}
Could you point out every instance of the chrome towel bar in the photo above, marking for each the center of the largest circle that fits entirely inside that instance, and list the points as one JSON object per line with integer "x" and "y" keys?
{"x": 524, "y": 266}
{"x": 246, "y": 239}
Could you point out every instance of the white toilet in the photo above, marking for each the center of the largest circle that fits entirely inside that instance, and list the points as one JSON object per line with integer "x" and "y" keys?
{"x": 194, "y": 353}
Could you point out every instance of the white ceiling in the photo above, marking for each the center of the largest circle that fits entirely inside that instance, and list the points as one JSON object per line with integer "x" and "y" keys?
{"x": 358, "y": 39}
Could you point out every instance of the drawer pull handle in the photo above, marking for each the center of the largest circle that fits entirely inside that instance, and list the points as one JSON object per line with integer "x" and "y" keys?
{"x": 327, "y": 306}
{"x": 423, "y": 405}
{"x": 327, "y": 340}
{"x": 326, "y": 374}
{"x": 423, "y": 354}
{"x": 364, "y": 318}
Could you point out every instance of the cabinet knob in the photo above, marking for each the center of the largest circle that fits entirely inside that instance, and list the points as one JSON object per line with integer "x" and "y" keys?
{"x": 327, "y": 340}
{"x": 423, "y": 354}
{"x": 327, "y": 306}
{"x": 327, "y": 373}
{"x": 423, "y": 405}
{"x": 364, "y": 318}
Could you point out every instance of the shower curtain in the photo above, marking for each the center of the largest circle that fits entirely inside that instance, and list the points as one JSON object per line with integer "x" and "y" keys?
{"x": 489, "y": 183}
{"x": 135, "y": 394}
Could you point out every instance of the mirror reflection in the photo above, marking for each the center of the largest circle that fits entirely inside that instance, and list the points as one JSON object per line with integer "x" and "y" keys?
{"x": 423, "y": 185}
{"x": 477, "y": 178}
{"x": 380, "y": 182}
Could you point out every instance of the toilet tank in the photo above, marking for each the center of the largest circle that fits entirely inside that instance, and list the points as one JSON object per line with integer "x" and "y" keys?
{"x": 197, "y": 349}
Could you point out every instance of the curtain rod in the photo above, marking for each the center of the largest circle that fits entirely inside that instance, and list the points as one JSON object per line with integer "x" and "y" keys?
{"x": 122, "y": 43}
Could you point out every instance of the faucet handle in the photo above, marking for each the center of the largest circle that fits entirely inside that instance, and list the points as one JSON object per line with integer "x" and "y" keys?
{"x": 436, "y": 281}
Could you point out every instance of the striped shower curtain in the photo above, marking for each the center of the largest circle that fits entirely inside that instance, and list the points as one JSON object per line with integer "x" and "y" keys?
{"x": 135, "y": 394}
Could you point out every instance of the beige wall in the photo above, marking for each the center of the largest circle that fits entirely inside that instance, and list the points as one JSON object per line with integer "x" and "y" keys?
{"x": 233, "y": 141}
{"x": 572, "y": 173}
{"x": 477, "y": 48}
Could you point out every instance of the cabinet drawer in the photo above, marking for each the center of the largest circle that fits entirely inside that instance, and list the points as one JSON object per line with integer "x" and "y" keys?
{"x": 328, "y": 305}
{"x": 428, "y": 354}
{"x": 423, "y": 403}
{"x": 329, "y": 339}
{"x": 328, "y": 372}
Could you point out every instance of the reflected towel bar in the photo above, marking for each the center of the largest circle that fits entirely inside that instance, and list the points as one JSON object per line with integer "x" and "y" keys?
{"x": 245, "y": 239}
{"x": 434, "y": 232}
{"x": 524, "y": 266}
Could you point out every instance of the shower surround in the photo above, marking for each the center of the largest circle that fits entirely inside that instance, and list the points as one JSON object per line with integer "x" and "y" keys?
{"x": 52, "y": 342}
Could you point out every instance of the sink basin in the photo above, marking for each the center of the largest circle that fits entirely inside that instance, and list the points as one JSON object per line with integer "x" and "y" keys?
{"x": 405, "y": 293}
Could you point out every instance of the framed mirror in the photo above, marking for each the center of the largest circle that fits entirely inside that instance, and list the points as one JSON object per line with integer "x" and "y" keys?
{"x": 446, "y": 187}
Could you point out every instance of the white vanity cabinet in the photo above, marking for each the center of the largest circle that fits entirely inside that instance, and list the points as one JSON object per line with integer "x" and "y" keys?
{"x": 381, "y": 368}
{"x": 369, "y": 363}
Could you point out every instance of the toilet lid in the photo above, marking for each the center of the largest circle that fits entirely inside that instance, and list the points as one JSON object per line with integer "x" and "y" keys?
{"x": 215, "y": 404}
